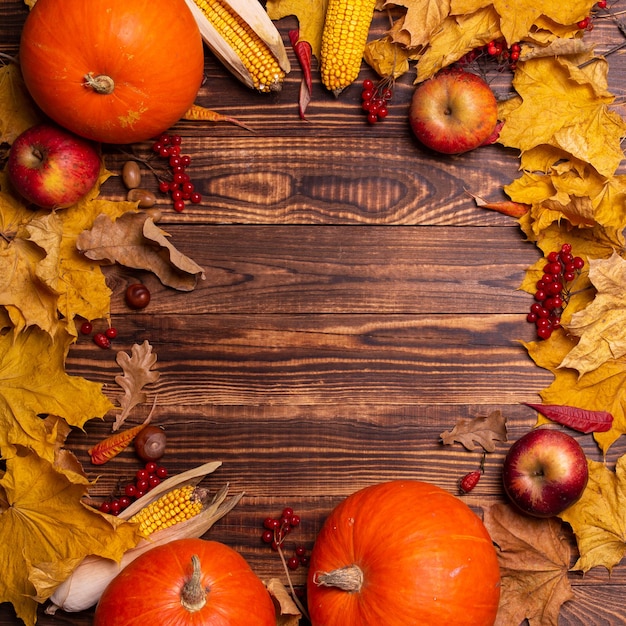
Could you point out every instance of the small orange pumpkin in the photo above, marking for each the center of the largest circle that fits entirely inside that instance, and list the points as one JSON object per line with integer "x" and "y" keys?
{"x": 114, "y": 71}
{"x": 186, "y": 582}
{"x": 403, "y": 553}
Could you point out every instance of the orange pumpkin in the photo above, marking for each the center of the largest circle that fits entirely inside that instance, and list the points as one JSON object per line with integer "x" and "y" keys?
{"x": 186, "y": 582}
{"x": 114, "y": 71}
{"x": 403, "y": 553}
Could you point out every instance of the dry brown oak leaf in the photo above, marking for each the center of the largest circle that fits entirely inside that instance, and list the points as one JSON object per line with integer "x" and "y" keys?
{"x": 534, "y": 556}
{"x": 138, "y": 372}
{"x": 134, "y": 240}
{"x": 477, "y": 432}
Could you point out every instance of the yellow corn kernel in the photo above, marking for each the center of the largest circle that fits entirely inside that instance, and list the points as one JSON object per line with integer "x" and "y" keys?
{"x": 173, "y": 507}
{"x": 266, "y": 73}
{"x": 344, "y": 37}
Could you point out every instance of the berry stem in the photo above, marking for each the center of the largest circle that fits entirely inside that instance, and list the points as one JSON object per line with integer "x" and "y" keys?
{"x": 291, "y": 589}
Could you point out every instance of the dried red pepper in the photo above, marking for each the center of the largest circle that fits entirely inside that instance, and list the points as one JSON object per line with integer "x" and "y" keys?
{"x": 113, "y": 445}
{"x": 470, "y": 480}
{"x": 304, "y": 54}
{"x": 582, "y": 420}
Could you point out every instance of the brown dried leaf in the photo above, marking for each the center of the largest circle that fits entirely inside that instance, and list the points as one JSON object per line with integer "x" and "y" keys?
{"x": 138, "y": 373}
{"x": 287, "y": 613}
{"x": 478, "y": 432}
{"x": 534, "y": 556}
{"x": 130, "y": 241}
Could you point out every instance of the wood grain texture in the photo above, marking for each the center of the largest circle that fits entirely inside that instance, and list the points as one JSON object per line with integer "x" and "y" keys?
{"x": 356, "y": 304}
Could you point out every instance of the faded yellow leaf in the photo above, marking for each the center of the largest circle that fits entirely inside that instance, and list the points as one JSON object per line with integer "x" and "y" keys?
{"x": 310, "y": 14}
{"x": 386, "y": 58}
{"x": 568, "y": 108}
{"x": 534, "y": 556}
{"x": 17, "y": 110}
{"x": 47, "y": 520}
{"x": 599, "y": 390}
{"x": 422, "y": 20}
{"x": 598, "y": 519}
{"x": 518, "y": 16}
{"x": 31, "y": 386}
{"x": 483, "y": 431}
{"x": 457, "y": 36}
{"x": 600, "y": 326}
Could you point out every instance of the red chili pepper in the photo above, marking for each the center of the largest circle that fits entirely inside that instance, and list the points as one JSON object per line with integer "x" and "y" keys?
{"x": 470, "y": 480}
{"x": 304, "y": 54}
{"x": 113, "y": 445}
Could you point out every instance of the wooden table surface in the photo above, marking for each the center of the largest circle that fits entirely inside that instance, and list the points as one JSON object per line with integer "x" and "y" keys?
{"x": 356, "y": 304}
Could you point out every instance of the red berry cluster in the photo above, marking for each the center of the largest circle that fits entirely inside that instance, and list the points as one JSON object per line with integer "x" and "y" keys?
{"x": 375, "y": 97}
{"x": 180, "y": 187}
{"x": 553, "y": 290}
{"x": 146, "y": 478}
{"x": 101, "y": 339}
{"x": 275, "y": 532}
{"x": 497, "y": 50}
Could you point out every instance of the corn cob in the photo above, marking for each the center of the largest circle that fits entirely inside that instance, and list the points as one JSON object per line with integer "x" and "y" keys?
{"x": 344, "y": 37}
{"x": 242, "y": 36}
{"x": 171, "y": 508}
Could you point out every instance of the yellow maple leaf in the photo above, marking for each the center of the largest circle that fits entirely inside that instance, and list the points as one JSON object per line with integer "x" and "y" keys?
{"x": 45, "y": 517}
{"x": 17, "y": 110}
{"x": 568, "y": 108}
{"x": 600, "y": 326}
{"x": 599, "y": 390}
{"x": 310, "y": 14}
{"x": 598, "y": 519}
{"x": 422, "y": 20}
{"x": 518, "y": 17}
{"x": 458, "y": 35}
{"x": 31, "y": 386}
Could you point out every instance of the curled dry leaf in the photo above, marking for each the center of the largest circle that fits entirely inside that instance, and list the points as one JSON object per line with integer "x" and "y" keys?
{"x": 138, "y": 372}
{"x": 287, "y": 613}
{"x": 477, "y": 432}
{"x": 130, "y": 241}
{"x": 534, "y": 556}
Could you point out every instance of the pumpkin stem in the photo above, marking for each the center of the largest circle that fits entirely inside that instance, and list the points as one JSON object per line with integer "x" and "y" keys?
{"x": 193, "y": 594}
{"x": 348, "y": 578}
{"x": 101, "y": 83}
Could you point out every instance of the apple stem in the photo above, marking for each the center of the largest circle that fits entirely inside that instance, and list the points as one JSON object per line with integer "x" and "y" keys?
{"x": 101, "y": 83}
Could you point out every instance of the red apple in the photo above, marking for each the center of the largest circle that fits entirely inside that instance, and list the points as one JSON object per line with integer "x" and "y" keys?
{"x": 545, "y": 471}
{"x": 453, "y": 112}
{"x": 52, "y": 168}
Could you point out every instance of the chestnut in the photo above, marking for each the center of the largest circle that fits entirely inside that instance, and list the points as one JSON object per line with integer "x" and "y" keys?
{"x": 137, "y": 296}
{"x": 150, "y": 443}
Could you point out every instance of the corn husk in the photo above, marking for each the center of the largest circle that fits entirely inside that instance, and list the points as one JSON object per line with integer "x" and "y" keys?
{"x": 256, "y": 16}
{"x": 88, "y": 581}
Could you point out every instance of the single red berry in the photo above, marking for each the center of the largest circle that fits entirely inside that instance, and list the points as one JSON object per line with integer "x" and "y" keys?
{"x": 115, "y": 507}
{"x": 161, "y": 471}
{"x": 267, "y": 536}
{"x": 142, "y": 485}
{"x": 105, "y": 507}
{"x": 294, "y": 521}
{"x": 86, "y": 328}
{"x": 102, "y": 341}
{"x": 469, "y": 481}
{"x": 195, "y": 198}
{"x": 300, "y": 550}
{"x": 151, "y": 467}
{"x": 130, "y": 490}
{"x": 142, "y": 474}
{"x": 270, "y": 523}
{"x": 124, "y": 502}
{"x": 111, "y": 332}
{"x": 153, "y": 481}
{"x": 293, "y": 562}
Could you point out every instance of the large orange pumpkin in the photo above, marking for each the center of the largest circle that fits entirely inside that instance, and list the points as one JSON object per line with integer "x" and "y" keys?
{"x": 114, "y": 71}
{"x": 186, "y": 582}
{"x": 403, "y": 553}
